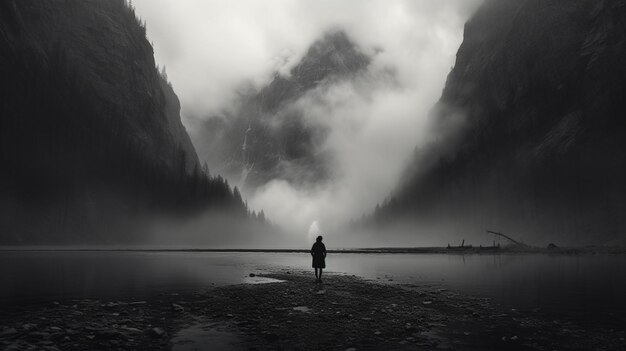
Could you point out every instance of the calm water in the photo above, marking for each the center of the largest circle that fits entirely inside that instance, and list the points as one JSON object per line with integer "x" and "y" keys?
{"x": 585, "y": 287}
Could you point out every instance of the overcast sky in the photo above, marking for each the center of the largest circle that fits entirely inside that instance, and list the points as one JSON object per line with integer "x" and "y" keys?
{"x": 213, "y": 48}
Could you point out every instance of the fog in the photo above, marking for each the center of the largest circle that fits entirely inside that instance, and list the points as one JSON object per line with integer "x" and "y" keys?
{"x": 213, "y": 49}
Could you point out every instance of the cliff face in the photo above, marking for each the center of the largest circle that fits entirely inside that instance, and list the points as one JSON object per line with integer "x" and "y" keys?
{"x": 104, "y": 48}
{"x": 90, "y": 130}
{"x": 267, "y": 137}
{"x": 530, "y": 124}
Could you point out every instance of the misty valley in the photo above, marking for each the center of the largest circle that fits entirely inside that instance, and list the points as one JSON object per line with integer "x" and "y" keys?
{"x": 312, "y": 175}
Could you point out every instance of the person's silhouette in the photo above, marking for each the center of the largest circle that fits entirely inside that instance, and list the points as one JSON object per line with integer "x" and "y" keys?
{"x": 318, "y": 251}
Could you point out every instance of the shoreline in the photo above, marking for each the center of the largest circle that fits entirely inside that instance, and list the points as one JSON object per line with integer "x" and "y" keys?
{"x": 292, "y": 312}
{"x": 591, "y": 250}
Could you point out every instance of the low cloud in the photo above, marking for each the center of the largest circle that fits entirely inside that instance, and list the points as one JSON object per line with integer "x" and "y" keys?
{"x": 213, "y": 48}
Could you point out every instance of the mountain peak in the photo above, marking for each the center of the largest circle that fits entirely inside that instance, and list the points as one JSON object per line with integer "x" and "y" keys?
{"x": 333, "y": 54}
{"x": 278, "y": 142}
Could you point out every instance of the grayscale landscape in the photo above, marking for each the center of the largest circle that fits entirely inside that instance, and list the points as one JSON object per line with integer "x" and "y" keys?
{"x": 312, "y": 175}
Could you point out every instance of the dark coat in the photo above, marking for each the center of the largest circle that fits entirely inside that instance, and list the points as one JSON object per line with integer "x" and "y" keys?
{"x": 318, "y": 251}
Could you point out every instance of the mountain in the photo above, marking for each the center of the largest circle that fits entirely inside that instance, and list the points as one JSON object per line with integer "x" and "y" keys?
{"x": 267, "y": 136}
{"x": 530, "y": 134}
{"x": 90, "y": 133}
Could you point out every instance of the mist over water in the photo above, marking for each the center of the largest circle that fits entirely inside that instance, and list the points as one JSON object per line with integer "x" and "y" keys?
{"x": 214, "y": 50}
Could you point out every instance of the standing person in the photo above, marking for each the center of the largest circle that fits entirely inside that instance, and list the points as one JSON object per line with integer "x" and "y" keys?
{"x": 318, "y": 251}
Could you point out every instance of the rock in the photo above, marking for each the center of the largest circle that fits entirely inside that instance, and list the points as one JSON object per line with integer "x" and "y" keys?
{"x": 350, "y": 349}
{"x": 131, "y": 330}
{"x": 109, "y": 334}
{"x": 19, "y": 346}
{"x": 39, "y": 335}
{"x": 157, "y": 332}
{"x": 271, "y": 337}
{"x": 427, "y": 302}
{"x": 178, "y": 308}
{"x": 110, "y": 305}
{"x": 29, "y": 326}
{"x": 252, "y": 275}
{"x": 8, "y": 332}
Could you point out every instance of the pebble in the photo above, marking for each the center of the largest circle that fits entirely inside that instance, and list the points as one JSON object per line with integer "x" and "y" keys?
{"x": 157, "y": 332}
{"x": 29, "y": 326}
{"x": 111, "y": 305}
{"x": 8, "y": 332}
{"x": 178, "y": 308}
{"x": 271, "y": 337}
{"x": 39, "y": 335}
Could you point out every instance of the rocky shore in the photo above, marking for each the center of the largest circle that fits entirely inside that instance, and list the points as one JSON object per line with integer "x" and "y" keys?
{"x": 287, "y": 310}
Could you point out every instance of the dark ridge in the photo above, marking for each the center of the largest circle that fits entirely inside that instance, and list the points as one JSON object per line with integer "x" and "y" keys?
{"x": 530, "y": 135}
{"x": 90, "y": 132}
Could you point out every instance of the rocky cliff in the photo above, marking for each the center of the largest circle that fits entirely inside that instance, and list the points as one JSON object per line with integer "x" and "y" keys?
{"x": 90, "y": 130}
{"x": 530, "y": 127}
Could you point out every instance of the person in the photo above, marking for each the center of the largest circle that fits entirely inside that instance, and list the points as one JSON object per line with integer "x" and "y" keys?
{"x": 318, "y": 251}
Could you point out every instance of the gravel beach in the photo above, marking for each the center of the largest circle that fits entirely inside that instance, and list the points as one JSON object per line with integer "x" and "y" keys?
{"x": 288, "y": 310}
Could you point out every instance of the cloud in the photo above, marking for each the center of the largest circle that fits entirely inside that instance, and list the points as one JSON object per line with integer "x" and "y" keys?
{"x": 211, "y": 48}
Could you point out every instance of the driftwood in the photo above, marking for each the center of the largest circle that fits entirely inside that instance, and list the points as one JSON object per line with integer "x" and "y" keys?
{"x": 507, "y": 237}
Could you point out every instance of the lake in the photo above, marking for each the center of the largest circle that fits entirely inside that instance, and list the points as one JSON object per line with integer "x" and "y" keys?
{"x": 589, "y": 288}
